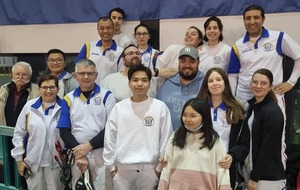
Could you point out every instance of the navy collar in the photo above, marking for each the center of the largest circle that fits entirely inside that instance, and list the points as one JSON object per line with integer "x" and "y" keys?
{"x": 77, "y": 91}
{"x": 38, "y": 102}
{"x": 264, "y": 34}
{"x": 221, "y": 106}
{"x": 112, "y": 47}
{"x": 61, "y": 75}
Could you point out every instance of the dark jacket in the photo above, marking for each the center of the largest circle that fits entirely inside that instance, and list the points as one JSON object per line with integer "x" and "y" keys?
{"x": 267, "y": 129}
{"x": 239, "y": 145}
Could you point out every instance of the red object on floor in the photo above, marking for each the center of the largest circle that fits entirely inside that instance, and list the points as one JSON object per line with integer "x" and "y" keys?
{"x": 298, "y": 181}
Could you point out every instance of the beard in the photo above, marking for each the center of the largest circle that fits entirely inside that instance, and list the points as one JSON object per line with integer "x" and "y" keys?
{"x": 133, "y": 62}
{"x": 188, "y": 76}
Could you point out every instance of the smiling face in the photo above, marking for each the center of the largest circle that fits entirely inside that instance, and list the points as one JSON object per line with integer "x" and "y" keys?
{"x": 192, "y": 38}
{"x": 142, "y": 36}
{"x": 86, "y": 76}
{"x": 212, "y": 31}
{"x": 260, "y": 86}
{"x": 48, "y": 91}
{"x": 188, "y": 67}
{"x": 215, "y": 84}
{"x": 56, "y": 63}
{"x": 132, "y": 56}
{"x": 191, "y": 118}
{"x": 105, "y": 30}
{"x": 253, "y": 22}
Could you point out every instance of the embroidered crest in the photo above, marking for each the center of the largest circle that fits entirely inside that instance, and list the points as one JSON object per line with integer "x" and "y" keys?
{"x": 268, "y": 47}
{"x": 111, "y": 57}
{"x": 148, "y": 121}
{"x": 97, "y": 101}
{"x": 217, "y": 60}
{"x": 146, "y": 58}
{"x": 223, "y": 122}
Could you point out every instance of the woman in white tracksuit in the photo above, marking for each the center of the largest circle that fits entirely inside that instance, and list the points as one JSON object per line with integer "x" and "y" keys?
{"x": 35, "y": 136}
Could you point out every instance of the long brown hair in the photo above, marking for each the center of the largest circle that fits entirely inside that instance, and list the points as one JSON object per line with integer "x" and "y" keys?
{"x": 234, "y": 111}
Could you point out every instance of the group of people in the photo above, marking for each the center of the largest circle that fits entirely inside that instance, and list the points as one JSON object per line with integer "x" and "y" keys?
{"x": 199, "y": 116}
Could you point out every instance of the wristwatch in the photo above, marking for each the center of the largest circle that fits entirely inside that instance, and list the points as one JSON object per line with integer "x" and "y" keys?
{"x": 156, "y": 71}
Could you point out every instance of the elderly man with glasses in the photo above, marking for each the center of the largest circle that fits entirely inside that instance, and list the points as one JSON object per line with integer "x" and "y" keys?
{"x": 13, "y": 97}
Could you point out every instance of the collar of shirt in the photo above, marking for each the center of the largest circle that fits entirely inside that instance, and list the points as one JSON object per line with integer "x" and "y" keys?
{"x": 264, "y": 34}
{"x": 112, "y": 47}
{"x": 221, "y": 106}
{"x": 77, "y": 92}
{"x": 61, "y": 75}
{"x": 148, "y": 50}
{"x": 39, "y": 102}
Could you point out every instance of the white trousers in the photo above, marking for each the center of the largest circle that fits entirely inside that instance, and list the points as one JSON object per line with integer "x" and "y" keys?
{"x": 45, "y": 178}
{"x": 143, "y": 179}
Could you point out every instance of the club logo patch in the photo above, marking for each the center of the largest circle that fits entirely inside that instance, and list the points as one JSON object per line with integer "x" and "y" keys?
{"x": 268, "y": 47}
{"x": 148, "y": 121}
{"x": 146, "y": 58}
{"x": 223, "y": 122}
{"x": 97, "y": 101}
{"x": 217, "y": 60}
{"x": 111, "y": 57}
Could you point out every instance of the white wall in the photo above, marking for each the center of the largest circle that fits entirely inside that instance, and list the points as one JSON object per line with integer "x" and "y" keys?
{"x": 173, "y": 31}
{"x": 71, "y": 37}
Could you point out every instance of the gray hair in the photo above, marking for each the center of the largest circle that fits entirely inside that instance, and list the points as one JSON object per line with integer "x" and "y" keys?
{"x": 85, "y": 63}
{"x": 24, "y": 65}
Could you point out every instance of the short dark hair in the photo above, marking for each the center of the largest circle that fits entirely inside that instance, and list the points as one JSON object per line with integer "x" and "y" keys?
{"x": 105, "y": 18}
{"x": 254, "y": 7}
{"x": 56, "y": 51}
{"x": 119, "y": 10}
{"x": 47, "y": 77}
{"x": 139, "y": 67}
{"x": 219, "y": 23}
{"x": 123, "y": 52}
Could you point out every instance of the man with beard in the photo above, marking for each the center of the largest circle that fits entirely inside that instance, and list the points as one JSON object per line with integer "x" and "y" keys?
{"x": 183, "y": 86}
{"x": 117, "y": 83}
{"x": 13, "y": 97}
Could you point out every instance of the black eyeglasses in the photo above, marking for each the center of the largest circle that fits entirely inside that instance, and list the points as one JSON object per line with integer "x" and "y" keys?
{"x": 55, "y": 60}
{"x": 45, "y": 88}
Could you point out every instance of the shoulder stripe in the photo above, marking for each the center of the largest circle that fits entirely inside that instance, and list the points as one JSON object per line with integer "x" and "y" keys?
{"x": 236, "y": 51}
{"x": 105, "y": 96}
{"x": 67, "y": 99}
{"x": 88, "y": 49}
{"x": 279, "y": 43}
{"x": 27, "y": 122}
